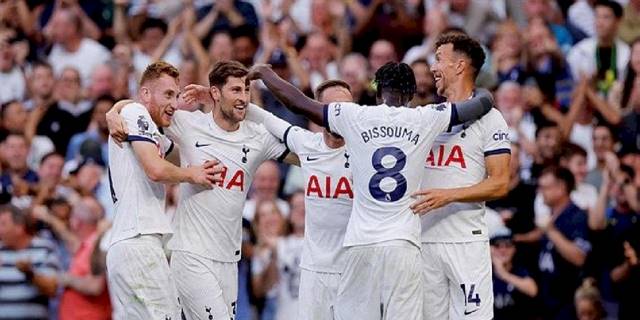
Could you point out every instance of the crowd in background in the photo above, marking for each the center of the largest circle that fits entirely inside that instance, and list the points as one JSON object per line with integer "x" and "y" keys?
{"x": 566, "y": 77}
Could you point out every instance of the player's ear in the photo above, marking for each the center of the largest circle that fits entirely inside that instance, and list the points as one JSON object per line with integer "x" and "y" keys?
{"x": 461, "y": 64}
{"x": 215, "y": 93}
{"x": 145, "y": 94}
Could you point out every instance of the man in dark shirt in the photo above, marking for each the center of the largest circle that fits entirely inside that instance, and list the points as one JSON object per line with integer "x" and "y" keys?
{"x": 564, "y": 245}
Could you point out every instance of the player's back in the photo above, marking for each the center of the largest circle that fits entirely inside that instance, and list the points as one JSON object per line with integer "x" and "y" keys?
{"x": 457, "y": 159}
{"x": 139, "y": 202}
{"x": 388, "y": 147}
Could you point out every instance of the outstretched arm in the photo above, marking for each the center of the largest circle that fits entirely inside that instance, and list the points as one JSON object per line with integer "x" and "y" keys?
{"x": 473, "y": 108}
{"x": 288, "y": 94}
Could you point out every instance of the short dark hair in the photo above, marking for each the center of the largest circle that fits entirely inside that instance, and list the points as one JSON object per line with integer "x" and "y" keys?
{"x": 107, "y": 98}
{"x": 397, "y": 77}
{"x": 224, "y": 69}
{"x": 49, "y": 155}
{"x": 156, "y": 70}
{"x": 329, "y": 84}
{"x": 420, "y": 61}
{"x": 465, "y": 45}
{"x": 5, "y": 106}
{"x": 617, "y": 9}
{"x": 19, "y": 217}
{"x": 569, "y": 150}
{"x": 563, "y": 175}
{"x": 545, "y": 125}
{"x": 152, "y": 23}
{"x": 41, "y": 64}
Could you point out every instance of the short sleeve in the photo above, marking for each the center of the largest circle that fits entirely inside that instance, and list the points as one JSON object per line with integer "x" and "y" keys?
{"x": 496, "y": 134}
{"x": 580, "y": 232}
{"x": 295, "y": 137}
{"x": 339, "y": 116}
{"x": 274, "y": 148}
{"x": 436, "y": 117}
{"x": 139, "y": 123}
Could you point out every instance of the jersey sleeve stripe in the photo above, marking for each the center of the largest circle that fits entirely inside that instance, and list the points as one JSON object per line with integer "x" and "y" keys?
{"x": 497, "y": 151}
{"x": 284, "y": 154}
{"x": 285, "y": 136}
{"x": 169, "y": 150}
{"x": 454, "y": 117}
{"x": 131, "y": 138}
{"x": 325, "y": 124}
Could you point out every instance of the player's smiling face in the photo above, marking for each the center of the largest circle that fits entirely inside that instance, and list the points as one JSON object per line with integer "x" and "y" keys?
{"x": 444, "y": 69}
{"x": 233, "y": 98}
{"x": 161, "y": 97}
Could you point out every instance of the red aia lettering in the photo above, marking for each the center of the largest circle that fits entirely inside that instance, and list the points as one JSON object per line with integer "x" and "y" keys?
{"x": 343, "y": 187}
{"x": 236, "y": 181}
{"x": 455, "y": 155}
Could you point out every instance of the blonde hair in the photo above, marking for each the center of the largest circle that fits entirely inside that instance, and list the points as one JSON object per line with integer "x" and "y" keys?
{"x": 589, "y": 291}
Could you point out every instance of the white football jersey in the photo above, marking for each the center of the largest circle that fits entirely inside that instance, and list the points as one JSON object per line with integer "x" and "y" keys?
{"x": 328, "y": 199}
{"x": 209, "y": 222}
{"x": 139, "y": 203}
{"x": 388, "y": 146}
{"x": 457, "y": 159}
{"x": 289, "y": 252}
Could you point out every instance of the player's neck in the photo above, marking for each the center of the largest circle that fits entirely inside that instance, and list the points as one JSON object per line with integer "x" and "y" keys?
{"x": 223, "y": 122}
{"x": 331, "y": 141}
{"x": 459, "y": 91}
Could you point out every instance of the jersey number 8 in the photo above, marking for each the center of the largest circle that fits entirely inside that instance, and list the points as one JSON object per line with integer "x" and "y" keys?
{"x": 383, "y": 172}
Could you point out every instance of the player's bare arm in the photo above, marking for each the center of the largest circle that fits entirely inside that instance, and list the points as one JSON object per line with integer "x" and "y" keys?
{"x": 495, "y": 186}
{"x": 288, "y": 94}
{"x": 117, "y": 126}
{"x": 160, "y": 170}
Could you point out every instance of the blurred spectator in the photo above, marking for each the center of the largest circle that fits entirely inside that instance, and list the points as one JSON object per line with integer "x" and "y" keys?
{"x": 586, "y": 107}
{"x": 547, "y": 65}
{"x": 101, "y": 84}
{"x": 548, "y": 143}
{"x": 584, "y": 195}
{"x": 547, "y": 10}
{"x": 71, "y": 48}
{"x": 564, "y": 245}
{"x": 588, "y": 302}
{"x": 507, "y": 48}
{"x": 425, "y": 84}
{"x": 354, "y": 71}
{"x": 269, "y": 225}
{"x": 396, "y": 21}
{"x": 603, "y": 144}
{"x": 626, "y": 274}
{"x": 476, "y": 17}
{"x": 434, "y": 23}
{"x": 245, "y": 45}
{"x": 85, "y": 293}
{"x": 604, "y": 56}
{"x": 265, "y": 187}
{"x": 317, "y": 59}
{"x": 582, "y": 16}
{"x": 41, "y": 84}
{"x": 625, "y": 93}
{"x": 381, "y": 52}
{"x": 516, "y": 211}
{"x": 513, "y": 287}
{"x": 227, "y": 14}
{"x": 29, "y": 268}
{"x": 11, "y": 76}
{"x": 98, "y": 131}
{"x": 70, "y": 115}
{"x": 289, "y": 253}
{"x": 14, "y": 117}
{"x": 17, "y": 180}
{"x": 630, "y": 24}
{"x": 50, "y": 178}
